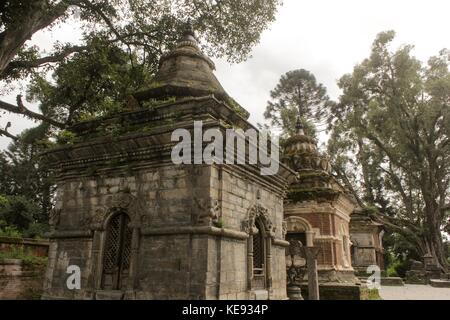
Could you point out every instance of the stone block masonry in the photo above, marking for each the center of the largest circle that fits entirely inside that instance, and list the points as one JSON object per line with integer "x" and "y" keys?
{"x": 19, "y": 281}
{"x": 141, "y": 227}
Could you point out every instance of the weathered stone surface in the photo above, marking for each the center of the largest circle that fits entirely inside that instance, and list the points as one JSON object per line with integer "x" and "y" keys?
{"x": 339, "y": 291}
{"x": 392, "y": 281}
{"x": 366, "y": 237}
{"x": 187, "y": 228}
{"x": 440, "y": 283}
{"x": 18, "y": 281}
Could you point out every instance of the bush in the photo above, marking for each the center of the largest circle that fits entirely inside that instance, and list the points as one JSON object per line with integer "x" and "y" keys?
{"x": 9, "y": 231}
{"x": 392, "y": 269}
{"x": 36, "y": 230}
{"x": 17, "y": 252}
{"x": 18, "y": 211}
{"x": 399, "y": 268}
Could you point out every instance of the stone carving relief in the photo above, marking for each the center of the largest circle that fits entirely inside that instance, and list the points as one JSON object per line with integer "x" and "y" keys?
{"x": 207, "y": 212}
{"x": 284, "y": 231}
{"x": 120, "y": 201}
{"x": 255, "y": 212}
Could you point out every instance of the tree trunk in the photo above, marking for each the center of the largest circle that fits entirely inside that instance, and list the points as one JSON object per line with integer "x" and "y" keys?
{"x": 38, "y": 17}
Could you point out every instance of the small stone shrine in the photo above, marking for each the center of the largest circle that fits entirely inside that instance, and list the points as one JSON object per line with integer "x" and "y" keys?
{"x": 366, "y": 236}
{"x": 317, "y": 213}
{"x": 139, "y": 226}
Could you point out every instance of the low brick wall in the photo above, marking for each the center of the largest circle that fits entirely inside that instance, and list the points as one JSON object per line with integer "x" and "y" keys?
{"x": 19, "y": 281}
{"x": 34, "y": 247}
{"x": 392, "y": 281}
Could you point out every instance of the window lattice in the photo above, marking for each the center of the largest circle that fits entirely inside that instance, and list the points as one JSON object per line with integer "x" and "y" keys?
{"x": 258, "y": 250}
{"x": 118, "y": 244}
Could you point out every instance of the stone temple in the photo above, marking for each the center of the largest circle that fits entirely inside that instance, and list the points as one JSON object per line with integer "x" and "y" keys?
{"x": 140, "y": 227}
{"x": 317, "y": 213}
{"x": 367, "y": 241}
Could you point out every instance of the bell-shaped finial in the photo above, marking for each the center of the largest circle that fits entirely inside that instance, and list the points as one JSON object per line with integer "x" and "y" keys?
{"x": 188, "y": 33}
{"x": 299, "y": 126}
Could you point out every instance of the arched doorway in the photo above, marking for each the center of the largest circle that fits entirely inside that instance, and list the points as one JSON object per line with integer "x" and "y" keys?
{"x": 299, "y": 229}
{"x": 117, "y": 254}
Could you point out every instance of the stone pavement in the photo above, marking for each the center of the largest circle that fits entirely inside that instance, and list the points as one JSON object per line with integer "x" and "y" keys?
{"x": 414, "y": 292}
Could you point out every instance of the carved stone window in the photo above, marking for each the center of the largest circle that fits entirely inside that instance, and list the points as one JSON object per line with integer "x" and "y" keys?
{"x": 261, "y": 231}
{"x": 259, "y": 257}
{"x": 116, "y": 258}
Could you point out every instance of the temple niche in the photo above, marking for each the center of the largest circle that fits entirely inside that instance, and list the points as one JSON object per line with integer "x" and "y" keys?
{"x": 317, "y": 212}
{"x": 139, "y": 226}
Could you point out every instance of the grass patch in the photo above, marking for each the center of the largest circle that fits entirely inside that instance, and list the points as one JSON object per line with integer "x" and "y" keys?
{"x": 374, "y": 295}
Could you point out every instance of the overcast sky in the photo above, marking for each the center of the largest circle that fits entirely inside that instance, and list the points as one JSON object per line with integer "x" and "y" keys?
{"x": 326, "y": 37}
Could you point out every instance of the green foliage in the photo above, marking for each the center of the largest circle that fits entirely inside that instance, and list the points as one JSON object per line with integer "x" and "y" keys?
{"x": 9, "y": 231}
{"x": 399, "y": 268}
{"x": 36, "y": 230}
{"x": 66, "y": 137}
{"x": 237, "y": 108}
{"x": 219, "y": 223}
{"x": 390, "y": 142}
{"x": 298, "y": 94}
{"x": 374, "y": 294}
{"x": 18, "y": 211}
{"x": 120, "y": 48}
{"x": 28, "y": 259}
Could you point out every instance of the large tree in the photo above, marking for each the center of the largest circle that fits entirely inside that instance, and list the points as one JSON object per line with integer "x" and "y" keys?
{"x": 26, "y": 186}
{"x": 298, "y": 94}
{"x": 138, "y": 31}
{"x": 391, "y": 131}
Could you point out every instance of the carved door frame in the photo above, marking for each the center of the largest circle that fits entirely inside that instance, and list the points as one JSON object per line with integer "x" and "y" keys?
{"x": 98, "y": 222}
{"x": 259, "y": 213}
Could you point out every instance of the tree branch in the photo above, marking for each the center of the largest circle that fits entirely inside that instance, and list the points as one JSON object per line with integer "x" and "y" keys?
{"x": 40, "y": 17}
{"x": 28, "y": 64}
{"x": 21, "y": 109}
{"x": 4, "y": 132}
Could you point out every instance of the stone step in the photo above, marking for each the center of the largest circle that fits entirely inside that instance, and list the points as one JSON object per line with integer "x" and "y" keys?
{"x": 387, "y": 281}
{"x": 392, "y": 281}
{"x": 440, "y": 283}
{"x": 109, "y": 295}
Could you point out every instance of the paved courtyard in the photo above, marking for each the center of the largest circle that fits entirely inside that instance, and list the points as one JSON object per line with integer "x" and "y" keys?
{"x": 414, "y": 292}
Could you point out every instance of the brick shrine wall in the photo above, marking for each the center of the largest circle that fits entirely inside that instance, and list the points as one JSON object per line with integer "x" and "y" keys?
{"x": 35, "y": 247}
{"x": 18, "y": 281}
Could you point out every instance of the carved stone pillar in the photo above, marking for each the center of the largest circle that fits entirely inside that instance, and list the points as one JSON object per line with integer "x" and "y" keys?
{"x": 269, "y": 262}
{"x": 97, "y": 257}
{"x": 250, "y": 262}
{"x": 133, "y": 259}
{"x": 309, "y": 238}
{"x": 310, "y": 254}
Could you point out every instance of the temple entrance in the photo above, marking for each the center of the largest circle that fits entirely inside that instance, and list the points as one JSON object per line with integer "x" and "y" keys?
{"x": 298, "y": 236}
{"x": 116, "y": 259}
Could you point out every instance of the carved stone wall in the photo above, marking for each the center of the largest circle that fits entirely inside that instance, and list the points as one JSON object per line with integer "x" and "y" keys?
{"x": 186, "y": 220}
{"x": 191, "y": 241}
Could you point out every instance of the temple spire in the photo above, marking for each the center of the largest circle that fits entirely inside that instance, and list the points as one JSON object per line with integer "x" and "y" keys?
{"x": 299, "y": 126}
{"x": 189, "y": 33}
